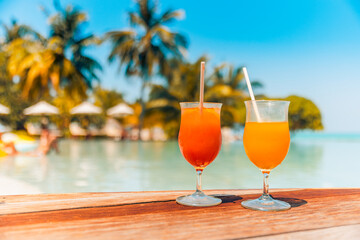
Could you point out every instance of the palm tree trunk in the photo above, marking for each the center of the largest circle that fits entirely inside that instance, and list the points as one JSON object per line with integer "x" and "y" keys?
{"x": 142, "y": 114}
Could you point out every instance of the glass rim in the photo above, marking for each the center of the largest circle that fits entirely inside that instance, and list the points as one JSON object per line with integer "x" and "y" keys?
{"x": 196, "y": 104}
{"x": 267, "y": 101}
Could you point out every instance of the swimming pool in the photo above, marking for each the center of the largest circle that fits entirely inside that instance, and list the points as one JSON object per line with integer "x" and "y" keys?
{"x": 107, "y": 166}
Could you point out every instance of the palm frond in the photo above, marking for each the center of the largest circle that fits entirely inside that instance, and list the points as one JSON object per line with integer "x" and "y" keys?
{"x": 171, "y": 15}
{"x": 136, "y": 20}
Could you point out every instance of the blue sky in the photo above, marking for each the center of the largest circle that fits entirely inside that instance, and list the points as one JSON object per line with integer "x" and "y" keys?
{"x": 305, "y": 47}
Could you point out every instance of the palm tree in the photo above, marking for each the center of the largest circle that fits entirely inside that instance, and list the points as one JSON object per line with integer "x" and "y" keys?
{"x": 10, "y": 95}
{"x": 15, "y": 31}
{"x": 55, "y": 63}
{"x": 182, "y": 86}
{"x": 227, "y": 85}
{"x": 67, "y": 25}
{"x": 147, "y": 46}
{"x": 42, "y": 67}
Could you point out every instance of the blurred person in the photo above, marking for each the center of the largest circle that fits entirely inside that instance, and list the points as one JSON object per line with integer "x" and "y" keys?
{"x": 7, "y": 146}
{"x": 47, "y": 142}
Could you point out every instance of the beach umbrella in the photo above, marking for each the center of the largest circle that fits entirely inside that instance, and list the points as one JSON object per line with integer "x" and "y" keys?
{"x": 120, "y": 110}
{"x": 41, "y": 108}
{"x": 4, "y": 110}
{"x": 86, "y": 108}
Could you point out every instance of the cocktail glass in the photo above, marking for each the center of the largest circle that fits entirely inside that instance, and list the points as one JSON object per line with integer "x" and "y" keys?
{"x": 266, "y": 142}
{"x": 200, "y": 143}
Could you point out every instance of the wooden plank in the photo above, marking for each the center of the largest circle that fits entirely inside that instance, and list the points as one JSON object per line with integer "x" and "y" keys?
{"x": 333, "y": 233}
{"x": 49, "y": 202}
{"x": 155, "y": 215}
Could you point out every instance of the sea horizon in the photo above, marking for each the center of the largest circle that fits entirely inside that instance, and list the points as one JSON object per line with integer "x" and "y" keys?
{"x": 325, "y": 135}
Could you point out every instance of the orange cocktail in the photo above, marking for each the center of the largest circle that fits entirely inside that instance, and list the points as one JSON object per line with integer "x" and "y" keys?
{"x": 200, "y": 143}
{"x": 266, "y": 143}
{"x": 200, "y": 135}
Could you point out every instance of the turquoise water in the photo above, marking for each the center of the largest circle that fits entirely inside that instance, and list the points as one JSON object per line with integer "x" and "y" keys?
{"x": 105, "y": 165}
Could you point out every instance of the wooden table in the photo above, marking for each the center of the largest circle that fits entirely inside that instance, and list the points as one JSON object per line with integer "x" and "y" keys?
{"x": 315, "y": 214}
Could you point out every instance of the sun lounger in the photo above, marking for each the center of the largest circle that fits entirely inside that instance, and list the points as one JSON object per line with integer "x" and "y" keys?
{"x": 134, "y": 134}
{"x": 113, "y": 129}
{"x": 76, "y": 130}
{"x": 158, "y": 134}
{"x": 95, "y": 132}
{"x": 145, "y": 135}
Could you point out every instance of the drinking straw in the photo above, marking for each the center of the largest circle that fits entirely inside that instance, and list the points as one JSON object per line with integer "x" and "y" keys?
{"x": 202, "y": 70}
{"x": 251, "y": 94}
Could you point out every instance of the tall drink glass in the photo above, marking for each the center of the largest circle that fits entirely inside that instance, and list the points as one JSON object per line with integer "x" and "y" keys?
{"x": 266, "y": 142}
{"x": 200, "y": 143}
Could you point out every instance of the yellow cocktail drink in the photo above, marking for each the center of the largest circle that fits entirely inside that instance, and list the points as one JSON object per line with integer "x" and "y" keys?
{"x": 266, "y": 143}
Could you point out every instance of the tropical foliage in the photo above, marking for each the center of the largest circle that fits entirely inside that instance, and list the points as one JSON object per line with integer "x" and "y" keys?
{"x": 107, "y": 98}
{"x": 181, "y": 86}
{"x": 15, "y": 31}
{"x": 303, "y": 114}
{"x": 43, "y": 64}
{"x": 148, "y": 45}
{"x": 225, "y": 84}
{"x": 67, "y": 24}
{"x": 42, "y": 67}
{"x": 10, "y": 96}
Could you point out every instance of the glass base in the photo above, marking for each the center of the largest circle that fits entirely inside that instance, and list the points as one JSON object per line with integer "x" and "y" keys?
{"x": 266, "y": 203}
{"x": 198, "y": 199}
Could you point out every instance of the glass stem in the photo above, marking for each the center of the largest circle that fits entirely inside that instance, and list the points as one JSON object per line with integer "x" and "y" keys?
{"x": 198, "y": 181}
{"x": 266, "y": 186}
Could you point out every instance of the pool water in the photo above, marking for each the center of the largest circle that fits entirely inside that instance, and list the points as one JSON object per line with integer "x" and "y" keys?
{"x": 107, "y": 166}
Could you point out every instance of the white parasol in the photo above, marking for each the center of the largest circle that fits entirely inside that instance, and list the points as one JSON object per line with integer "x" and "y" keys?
{"x": 86, "y": 108}
{"x": 120, "y": 110}
{"x": 4, "y": 110}
{"x": 41, "y": 108}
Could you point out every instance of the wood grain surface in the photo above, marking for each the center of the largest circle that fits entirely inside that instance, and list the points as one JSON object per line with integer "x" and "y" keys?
{"x": 315, "y": 213}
